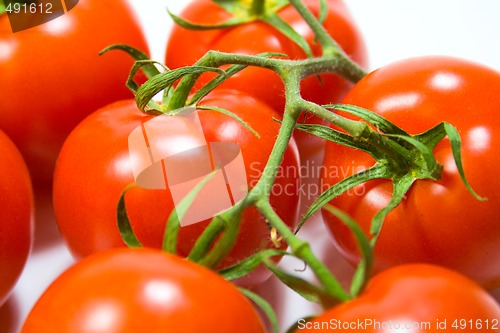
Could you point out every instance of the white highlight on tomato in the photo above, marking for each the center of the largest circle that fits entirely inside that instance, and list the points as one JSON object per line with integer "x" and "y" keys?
{"x": 397, "y": 101}
{"x": 479, "y": 139}
{"x": 445, "y": 81}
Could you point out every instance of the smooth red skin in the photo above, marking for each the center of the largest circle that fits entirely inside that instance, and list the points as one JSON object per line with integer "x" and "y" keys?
{"x": 16, "y": 216}
{"x": 438, "y": 222}
{"x": 416, "y": 293}
{"x": 118, "y": 287}
{"x": 52, "y": 81}
{"x": 186, "y": 46}
{"x": 93, "y": 169}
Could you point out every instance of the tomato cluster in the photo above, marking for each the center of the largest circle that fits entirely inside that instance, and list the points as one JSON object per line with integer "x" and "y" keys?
{"x": 437, "y": 254}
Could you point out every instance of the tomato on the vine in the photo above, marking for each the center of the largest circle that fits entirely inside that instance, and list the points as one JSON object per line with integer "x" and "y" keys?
{"x": 94, "y": 167}
{"x": 141, "y": 290}
{"x": 16, "y": 215}
{"x": 413, "y": 298}
{"x": 438, "y": 222}
{"x": 185, "y": 47}
{"x": 53, "y": 76}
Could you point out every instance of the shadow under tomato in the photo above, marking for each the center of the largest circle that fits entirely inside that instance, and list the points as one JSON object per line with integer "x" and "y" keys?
{"x": 9, "y": 316}
{"x": 496, "y": 295}
{"x": 272, "y": 291}
{"x": 46, "y": 232}
{"x": 323, "y": 246}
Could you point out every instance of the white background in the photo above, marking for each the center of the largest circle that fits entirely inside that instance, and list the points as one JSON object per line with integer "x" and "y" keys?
{"x": 393, "y": 29}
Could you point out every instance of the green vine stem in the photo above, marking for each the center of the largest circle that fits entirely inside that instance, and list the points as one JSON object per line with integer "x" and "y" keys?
{"x": 400, "y": 157}
{"x": 302, "y": 250}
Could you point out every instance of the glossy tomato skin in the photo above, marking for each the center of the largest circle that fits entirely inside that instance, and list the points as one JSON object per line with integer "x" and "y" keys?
{"x": 94, "y": 168}
{"x": 16, "y": 215}
{"x": 427, "y": 298}
{"x": 53, "y": 77}
{"x": 438, "y": 222}
{"x": 141, "y": 290}
{"x": 186, "y": 46}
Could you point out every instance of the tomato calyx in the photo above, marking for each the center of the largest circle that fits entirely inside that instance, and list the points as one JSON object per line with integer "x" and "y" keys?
{"x": 400, "y": 157}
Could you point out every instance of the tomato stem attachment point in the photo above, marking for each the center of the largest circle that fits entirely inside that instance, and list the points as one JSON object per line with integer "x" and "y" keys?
{"x": 258, "y": 7}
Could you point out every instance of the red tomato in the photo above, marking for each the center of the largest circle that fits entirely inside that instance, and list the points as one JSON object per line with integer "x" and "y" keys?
{"x": 141, "y": 290}
{"x": 16, "y": 215}
{"x": 187, "y": 46}
{"x": 438, "y": 221}
{"x": 413, "y": 298}
{"x": 53, "y": 77}
{"x": 94, "y": 168}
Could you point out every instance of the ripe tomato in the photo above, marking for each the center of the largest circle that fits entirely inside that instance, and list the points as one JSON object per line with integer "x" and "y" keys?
{"x": 16, "y": 215}
{"x": 94, "y": 168}
{"x": 141, "y": 290}
{"x": 53, "y": 77}
{"x": 187, "y": 46}
{"x": 438, "y": 221}
{"x": 413, "y": 298}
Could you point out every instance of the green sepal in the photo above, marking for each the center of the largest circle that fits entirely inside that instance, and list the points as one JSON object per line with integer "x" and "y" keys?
{"x": 218, "y": 238}
{"x": 335, "y": 136}
{"x": 370, "y": 117}
{"x": 277, "y": 22}
{"x": 169, "y": 243}
{"x": 165, "y": 81}
{"x": 126, "y": 232}
{"x": 264, "y": 306}
{"x": 302, "y": 287}
{"x": 432, "y": 169}
{"x": 206, "y": 240}
{"x": 239, "y": 8}
{"x": 456, "y": 147}
{"x": 141, "y": 64}
{"x": 364, "y": 270}
{"x": 136, "y": 54}
{"x": 378, "y": 171}
{"x": 243, "y": 13}
{"x": 230, "y": 114}
{"x": 323, "y": 11}
{"x": 152, "y": 106}
{"x": 224, "y": 245}
{"x": 433, "y": 136}
{"x": 234, "y": 21}
{"x": 247, "y": 265}
{"x": 142, "y": 61}
{"x": 401, "y": 185}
